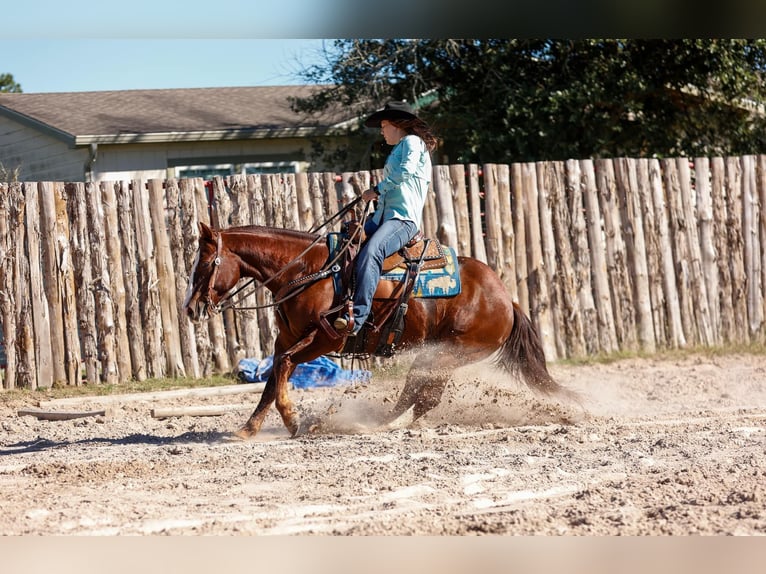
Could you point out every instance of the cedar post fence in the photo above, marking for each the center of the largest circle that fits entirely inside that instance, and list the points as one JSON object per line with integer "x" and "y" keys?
{"x": 603, "y": 255}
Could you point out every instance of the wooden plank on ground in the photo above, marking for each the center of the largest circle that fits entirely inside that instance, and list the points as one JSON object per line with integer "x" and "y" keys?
{"x": 60, "y": 415}
{"x": 158, "y": 395}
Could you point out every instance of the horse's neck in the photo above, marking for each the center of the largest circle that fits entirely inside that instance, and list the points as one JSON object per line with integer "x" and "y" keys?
{"x": 276, "y": 256}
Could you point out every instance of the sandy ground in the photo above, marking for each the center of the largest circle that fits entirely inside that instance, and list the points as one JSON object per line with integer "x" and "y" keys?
{"x": 659, "y": 447}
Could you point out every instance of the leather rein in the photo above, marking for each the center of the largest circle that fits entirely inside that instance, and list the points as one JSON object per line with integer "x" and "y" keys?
{"x": 294, "y": 287}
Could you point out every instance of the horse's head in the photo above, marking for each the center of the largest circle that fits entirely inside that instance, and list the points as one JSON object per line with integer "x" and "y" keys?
{"x": 215, "y": 272}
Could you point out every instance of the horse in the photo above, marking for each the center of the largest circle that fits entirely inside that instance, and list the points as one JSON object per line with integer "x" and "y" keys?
{"x": 446, "y": 332}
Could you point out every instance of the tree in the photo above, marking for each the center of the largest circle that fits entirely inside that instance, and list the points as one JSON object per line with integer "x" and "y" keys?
{"x": 7, "y": 84}
{"x": 501, "y": 100}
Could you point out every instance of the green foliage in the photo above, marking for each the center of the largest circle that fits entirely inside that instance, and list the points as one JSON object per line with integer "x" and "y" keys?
{"x": 529, "y": 100}
{"x": 7, "y": 84}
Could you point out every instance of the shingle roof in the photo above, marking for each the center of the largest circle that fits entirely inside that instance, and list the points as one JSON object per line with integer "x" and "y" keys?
{"x": 151, "y": 115}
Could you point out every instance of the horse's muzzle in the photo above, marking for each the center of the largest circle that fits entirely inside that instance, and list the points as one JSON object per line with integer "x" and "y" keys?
{"x": 197, "y": 310}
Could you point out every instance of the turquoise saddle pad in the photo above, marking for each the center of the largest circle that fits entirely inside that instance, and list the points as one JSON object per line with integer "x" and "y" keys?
{"x": 442, "y": 282}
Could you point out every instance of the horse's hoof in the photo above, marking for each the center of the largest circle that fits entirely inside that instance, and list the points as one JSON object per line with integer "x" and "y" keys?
{"x": 240, "y": 435}
{"x": 402, "y": 421}
{"x": 296, "y": 427}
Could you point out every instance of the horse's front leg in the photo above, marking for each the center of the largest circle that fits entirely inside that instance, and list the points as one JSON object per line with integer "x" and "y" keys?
{"x": 254, "y": 423}
{"x": 274, "y": 390}
{"x": 283, "y": 368}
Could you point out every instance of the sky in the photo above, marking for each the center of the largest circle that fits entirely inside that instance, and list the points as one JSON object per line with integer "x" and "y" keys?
{"x": 93, "y": 64}
{"x": 94, "y": 45}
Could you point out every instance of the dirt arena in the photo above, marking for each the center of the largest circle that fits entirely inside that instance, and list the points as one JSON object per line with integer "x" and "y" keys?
{"x": 659, "y": 447}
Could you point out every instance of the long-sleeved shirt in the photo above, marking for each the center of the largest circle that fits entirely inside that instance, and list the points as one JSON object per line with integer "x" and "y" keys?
{"x": 404, "y": 186}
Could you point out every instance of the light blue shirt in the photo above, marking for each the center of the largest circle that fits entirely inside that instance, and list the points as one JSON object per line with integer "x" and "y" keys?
{"x": 404, "y": 186}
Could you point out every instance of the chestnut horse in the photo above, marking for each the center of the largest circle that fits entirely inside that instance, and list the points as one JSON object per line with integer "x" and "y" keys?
{"x": 451, "y": 332}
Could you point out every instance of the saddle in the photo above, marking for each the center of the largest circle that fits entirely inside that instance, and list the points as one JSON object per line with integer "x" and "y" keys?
{"x": 433, "y": 258}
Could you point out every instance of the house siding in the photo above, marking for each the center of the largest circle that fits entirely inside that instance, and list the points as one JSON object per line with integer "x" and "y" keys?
{"x": 37, "y": 156}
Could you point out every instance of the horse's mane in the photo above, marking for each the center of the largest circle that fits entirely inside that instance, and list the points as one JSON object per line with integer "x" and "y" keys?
{"x": 261, "y": 230}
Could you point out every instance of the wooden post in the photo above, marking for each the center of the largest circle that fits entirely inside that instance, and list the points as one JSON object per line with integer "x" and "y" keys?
{"x": 186, "y": 339}
{"x": 331, "y": 195}
{"x": 52, "y": 284}
{"x": 720, "y": 223}
{"x": 546, "y": 180}
{"x": 653, "y": 255}
{"x": 635, "y": 250}
{"x": 165, "y": 280}
{"x": 699, "y": 291}
{"x": 761, "y": 184}
{"x": 507, "y": 236}
{"x": 41, "y": 333}
{"x": 102, "y": 286}
{"x": 199, "y": 333}
{"x": 447, "y": 227}
{"x": 288, "y": 192}
{"x": 116, "y": 277}
{"x": 151, "y": 321}
{"x": 306, "y": 213}
{"x": 8, "y": 199}
{"x": 735, "y": 239}
{"x": 519, "y": 208}
{"x": 539, "y": 290}
{"x": 680, "y": 248}
{"x": 572, "y": 315}
{"x": 360, "y": 180}
{"x": 676, "y": 337}
{"x": 706, "y": 226}
{"x": 430, "y": 227}
{"x": 86, "y": 311}
{"x": 317, "y": 195}
{"x": 602, "y": 294}
{"x": 462, "y": 217}
{"x": 752, "y": 248}
{"x": 133, "y": 321}
{"x": 572, "y": 221}
{"x": 616, "y": 258}
{"x": 478, "y": 248}
{"x": 492, "y": 221}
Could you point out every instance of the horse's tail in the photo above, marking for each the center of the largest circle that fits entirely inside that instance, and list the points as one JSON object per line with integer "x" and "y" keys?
{"x": 522, "y": 354}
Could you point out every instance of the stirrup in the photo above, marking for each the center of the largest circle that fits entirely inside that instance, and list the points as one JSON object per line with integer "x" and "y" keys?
{"x": 343, "y": 325}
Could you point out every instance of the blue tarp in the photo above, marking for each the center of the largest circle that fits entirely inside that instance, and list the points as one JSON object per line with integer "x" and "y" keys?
{"x": 321, "y": 372}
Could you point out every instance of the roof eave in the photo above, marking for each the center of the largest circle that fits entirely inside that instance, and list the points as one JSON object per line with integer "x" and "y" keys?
{"x": 206, "y": 135}
{"x": 30, "y": 122}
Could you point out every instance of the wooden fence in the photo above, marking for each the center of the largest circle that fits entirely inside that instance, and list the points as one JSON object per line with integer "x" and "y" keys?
{"x": 604, "y": 255}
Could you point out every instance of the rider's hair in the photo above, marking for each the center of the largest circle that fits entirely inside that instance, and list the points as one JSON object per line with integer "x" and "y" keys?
{"x": 419, "y": 128}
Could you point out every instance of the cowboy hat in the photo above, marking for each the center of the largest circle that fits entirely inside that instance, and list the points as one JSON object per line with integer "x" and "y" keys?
{"x": 391, "y": 111}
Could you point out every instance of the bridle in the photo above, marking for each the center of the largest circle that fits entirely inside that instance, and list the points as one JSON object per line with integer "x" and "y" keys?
{"x": 294, "y": 287}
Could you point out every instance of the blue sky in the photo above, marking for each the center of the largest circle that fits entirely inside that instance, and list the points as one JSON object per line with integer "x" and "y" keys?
{"x": 77, "y": 65}
{"x": 93, "y": 45}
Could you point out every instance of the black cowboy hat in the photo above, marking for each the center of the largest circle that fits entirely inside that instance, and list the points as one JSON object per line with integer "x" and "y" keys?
{"x": 391, "y": 111}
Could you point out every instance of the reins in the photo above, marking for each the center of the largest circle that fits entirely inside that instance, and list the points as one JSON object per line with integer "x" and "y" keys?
{"x": 296, "y": 286}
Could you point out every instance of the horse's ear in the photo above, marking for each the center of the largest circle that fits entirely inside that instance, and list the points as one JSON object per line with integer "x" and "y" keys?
{"x": 205, "y": 232}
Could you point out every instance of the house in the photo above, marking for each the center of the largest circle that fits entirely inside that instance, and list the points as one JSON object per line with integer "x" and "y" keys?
{"x": 142, "y": 134}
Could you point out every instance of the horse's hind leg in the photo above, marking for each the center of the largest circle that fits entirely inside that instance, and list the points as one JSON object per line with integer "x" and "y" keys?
{"x": 425, "y": 384}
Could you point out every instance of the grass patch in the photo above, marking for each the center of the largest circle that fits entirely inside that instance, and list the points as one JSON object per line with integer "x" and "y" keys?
{"x": 668, "y": 354}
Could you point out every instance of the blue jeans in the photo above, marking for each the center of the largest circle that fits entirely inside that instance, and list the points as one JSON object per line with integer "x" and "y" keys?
{"x": 382, "y": 241}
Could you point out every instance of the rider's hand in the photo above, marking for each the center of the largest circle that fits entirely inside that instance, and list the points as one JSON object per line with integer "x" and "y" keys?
{"x": 370, "y": 194}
